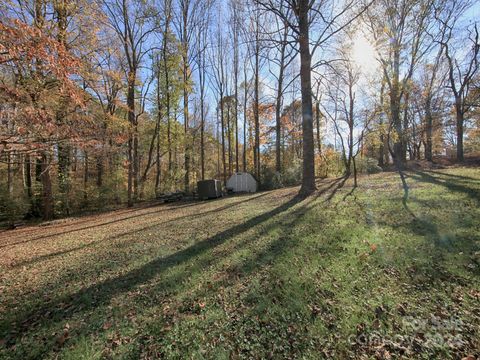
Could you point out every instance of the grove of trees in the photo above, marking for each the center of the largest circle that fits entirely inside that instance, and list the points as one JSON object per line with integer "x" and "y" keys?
{"x": 104, "y": 102}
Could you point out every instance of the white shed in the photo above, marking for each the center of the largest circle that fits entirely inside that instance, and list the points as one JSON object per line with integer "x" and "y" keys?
{"x": 242, "y": 182}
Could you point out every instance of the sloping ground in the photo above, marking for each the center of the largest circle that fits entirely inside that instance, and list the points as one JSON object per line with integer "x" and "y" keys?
{"x": 339, "y": 275}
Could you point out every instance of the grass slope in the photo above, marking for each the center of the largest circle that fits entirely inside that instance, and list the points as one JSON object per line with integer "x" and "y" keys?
{"x": 341, "y": 274}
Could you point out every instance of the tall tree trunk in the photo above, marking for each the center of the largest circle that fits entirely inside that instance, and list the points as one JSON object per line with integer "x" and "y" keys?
{"x": 229, "y": 138}
{"x": 136, "y": 163}
{"x": 202, "y": 115}
{"x": 28, "y": 176}
{"x": 100, "y": 171}
{"x": 158, "y": 167}
{"x": 381, "y": 149}
{"x": 187, "y": 137}
{"x": 279, "y": 101}
{"x": 218, "y": 142}
{"x": 63, "y": 147}
{"x": 47, "y": 198}
{"x": 10, "y": 175}
{"x": 459, "y": 125}
{"x": 278, "y": 134}
{"x": 355, "y": 184}
{"x": 202, "y": 140}
{"x": 223, "y": 139}
{"x": 319, "y": 136}
{"x": 308, "y": 179}
{"x": 256, "y": 110}
{"x": 131, "y": 188}
{"x": 399, "y": 148}
{"x": 11, "y": 199}
{"x": 235, "y": 83}
{"x": 167, "y": 106}
{"x": 428, "y": 131}
{"x": 245, "y": 103}
{"x": 186, "y": 94}
{"x": 351, "y": 124}
{"x": 63, "y": 176}
{"x": 85, "y": 178}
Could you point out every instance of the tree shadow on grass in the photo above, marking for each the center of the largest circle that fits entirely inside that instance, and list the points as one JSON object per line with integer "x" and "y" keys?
{"x": 332, "y": 188}
{"x": 189, "y": 261}
{"x": 131, "y": 232}
{"x": 450, "y": 184}
{"x": 440, "y": 239}
{"x": 429, "y": 266}
{"x": 101, "y": 293}
{"x": 43, "y": 237}
{"x": 459, "y": 177}
{"x": 129, "y": 218}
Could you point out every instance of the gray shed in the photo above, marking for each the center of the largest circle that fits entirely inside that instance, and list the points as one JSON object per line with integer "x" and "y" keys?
{"x": 209, "y": 189}
{"x": 242, "y": 182}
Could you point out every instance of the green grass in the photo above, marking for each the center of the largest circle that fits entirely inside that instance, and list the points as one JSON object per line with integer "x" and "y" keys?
{"x": 341, "y": 274}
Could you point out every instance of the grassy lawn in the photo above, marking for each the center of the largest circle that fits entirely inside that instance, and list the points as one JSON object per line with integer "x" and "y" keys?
{"x": 338, "y": 275}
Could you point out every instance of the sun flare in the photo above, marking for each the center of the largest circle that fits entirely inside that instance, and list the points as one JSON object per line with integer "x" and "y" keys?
{"x": 364, "y": 55}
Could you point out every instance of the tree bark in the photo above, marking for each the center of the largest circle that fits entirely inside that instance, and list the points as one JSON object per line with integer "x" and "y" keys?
{"x": 319, "y": 137}
{"x": 256, "y": 111}
{"x": 428, "y": 130}
{"x": 245, "y": 104}
{"x": 460, "y": 130}
{"x": 235, "y": 84}
{"x": 61, "y": 11}
{"x": 47, "y": 198}
{"x": 308, "y": 179}
{"x": 223, "y": 139}
{"x": 132, "y": 167}
{"x": 28, "y": 176}
{"x": 185, "y": 9}
{"x": 229, "y": 136}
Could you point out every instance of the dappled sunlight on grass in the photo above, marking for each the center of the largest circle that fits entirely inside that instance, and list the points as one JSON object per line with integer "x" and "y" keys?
{"x": 261, "y": 275}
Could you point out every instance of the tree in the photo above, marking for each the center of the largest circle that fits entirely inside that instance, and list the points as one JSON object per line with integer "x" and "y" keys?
{"x": 36, "y": 74}
{"x": 400, "y": 28}
{"x": 308, "y": 14}
{"x": 462, "y": 66}
{"x": 219, "y": 81}
{"x": 343, "y": 92}
{"x": 280, "y": 56}
{"x": 235, "y": 25}
{"x": 202, "y": 43}
{"x": 131, "y": 22}
{"x": 191, "y": 14}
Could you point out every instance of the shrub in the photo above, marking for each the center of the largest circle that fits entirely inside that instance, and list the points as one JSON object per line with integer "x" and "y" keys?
{"x": 368, "y": 165}
{"x": 272, "y": 179}
{"x": 12, "y": 208}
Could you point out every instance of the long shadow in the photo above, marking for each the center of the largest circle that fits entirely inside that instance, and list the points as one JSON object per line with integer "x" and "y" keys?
{"x": 461, "y": 177}
{"x": 130, "y": 232}
{"x": 350, "y": 193}
{"x": 82, "y": 218}
{"x": 435, "y": 267}
{"x": 296, "y": 215}
{"x": 337, "y": 184}
{"x": 453, "y": 186}
{"x": 279, "y": 246}
{"x": 104, "y": 291}
{"x": 43, "y": 237}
